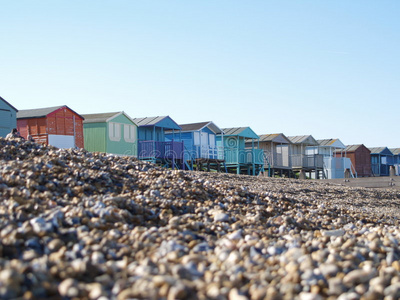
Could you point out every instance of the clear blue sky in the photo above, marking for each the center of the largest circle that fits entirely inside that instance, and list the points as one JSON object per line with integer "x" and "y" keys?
{"x": 326, "y": 68}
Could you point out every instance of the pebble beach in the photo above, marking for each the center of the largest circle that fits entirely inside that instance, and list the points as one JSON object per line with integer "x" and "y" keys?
{"x": 82, "y": 225}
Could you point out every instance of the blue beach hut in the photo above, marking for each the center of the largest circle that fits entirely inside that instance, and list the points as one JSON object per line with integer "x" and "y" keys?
{"x": 381, "y": 160}
{"x": 152, "y": 143}
{"x": 200, "y": 142}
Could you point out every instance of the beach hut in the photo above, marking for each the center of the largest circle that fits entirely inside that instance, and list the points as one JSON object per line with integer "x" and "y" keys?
{"x": 334, "y": 166}
{"x": 381, "y": 160}
{"x": 276, "y": 149}
{"x": 58, "y": 126}
{"x": 239, "y": 158}
{"x": 200, "y": 144}
{"x": 152, "y": 144}
{"x": 360, "y": 157}
{"x": 8, "y": 117}
{"x": 113, "y": 132}
{"x": 304, "y": 160}
{"x": 396, "y": 159}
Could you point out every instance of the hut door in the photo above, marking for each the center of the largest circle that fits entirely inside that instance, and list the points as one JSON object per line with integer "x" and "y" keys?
{"x": 204, "y": 144}
{"x": 5, "y": 122}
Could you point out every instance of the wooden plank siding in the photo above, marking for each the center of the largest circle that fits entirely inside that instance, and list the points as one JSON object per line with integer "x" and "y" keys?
{"x": 237, "y": 156}
{"x": 37, "y": 128}
{"x": 8, "y": 117}
{"x": 58, "y": 124}
{"x": 152, "y": 145}
{"x": 381, "y": 160}
{"x": 95, "y": 137}
{"x": 360, "y": 157}
{"x": 64, "y": 122}
{"x": 164, "y": 150}
{"x": 111, "y": 132}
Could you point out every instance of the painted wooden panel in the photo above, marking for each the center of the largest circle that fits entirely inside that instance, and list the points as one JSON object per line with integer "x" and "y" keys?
{"x": 115, "y": 134}
{"x": 168, "y": 123}
{"x": 63, "y": 122}
{"x": 35, "y": 127}
{"x": 79, "y": 132}
{"x": 235, "y": 156}
{"x": 155, "y": 149}
{"x": 361, "y": 160}
{"x": 276, "y": 155}
{"x": 61, "y": 141}
{"x": 307, "y": 161}
{"x": 8, "y": 118}
{"x": 124, "y": 139}
{"x": 198, "y": 144}
{"x": 149, "y": 133}
{"x": 95, "y": 137}
{"x": 6, "y": 124}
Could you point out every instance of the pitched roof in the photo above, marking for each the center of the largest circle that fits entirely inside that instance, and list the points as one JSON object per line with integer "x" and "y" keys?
{"x": 198, "y": 126}
{"x": 8, "y": 104}
{"x": 160, "y": 121}
{"x": 40, "y": 112}
{"x": 334, "y": 143}
{"x": 326, "y": 142}
{"x": 36, "y": 113}
{"x": 241, "y": 131}
{"x": 379, "y": 150}
{"x": 103, "y": 117}
{"x": 148, "y": 121}
{"x": 352, "y": 148}
{"x": 193, "y": 126}
{"x": 99, "y": 118}
{"x": 278, "y": 137}
{"x": 395, "y": 151}
{"x": 303, "y": 139}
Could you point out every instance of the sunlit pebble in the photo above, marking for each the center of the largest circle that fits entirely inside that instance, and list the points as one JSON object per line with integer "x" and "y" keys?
{"x": 76, "y": 224}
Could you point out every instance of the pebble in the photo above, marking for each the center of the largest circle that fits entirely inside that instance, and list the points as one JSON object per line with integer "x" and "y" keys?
{"x": 82, "y": 225}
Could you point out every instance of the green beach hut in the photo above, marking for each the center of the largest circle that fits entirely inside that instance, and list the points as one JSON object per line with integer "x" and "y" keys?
{"x": 113, "y": 133}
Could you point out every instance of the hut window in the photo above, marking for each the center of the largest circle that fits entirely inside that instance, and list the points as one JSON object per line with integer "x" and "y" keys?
{"x": 196, "y": 137}
{"x": 204, "y": 138}
{"x": 114, "y": 131}
{"x": 129, "y": 133}
{"x": 212, "y": 140}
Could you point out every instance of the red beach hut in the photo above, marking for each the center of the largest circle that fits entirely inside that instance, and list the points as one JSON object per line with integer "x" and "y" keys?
{"x": 360, "y": 157}
{"x": 58, "y": 126}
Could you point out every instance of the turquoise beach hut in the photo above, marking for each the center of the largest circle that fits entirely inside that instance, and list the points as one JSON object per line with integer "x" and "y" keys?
{"x": 239, "y": 158}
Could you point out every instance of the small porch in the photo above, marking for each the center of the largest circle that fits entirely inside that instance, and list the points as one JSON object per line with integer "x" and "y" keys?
{"x": 205, "y": 157}
{"x": 305, "y": 158}
{"x": 153, "y": 146}
{"x": 242, "y": 154}
{"x": 250, "y": 161}
{"x": 381, "y": 161}
{"x": 276, "y": 154}
{"x": 168, "y": 153}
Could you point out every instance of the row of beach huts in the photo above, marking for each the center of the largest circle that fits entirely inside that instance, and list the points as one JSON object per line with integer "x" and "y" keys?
{"x": 199, "y": 146}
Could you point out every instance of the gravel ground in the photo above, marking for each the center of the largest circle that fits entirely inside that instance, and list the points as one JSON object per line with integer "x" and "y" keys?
{"x": 80, "y": 225}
